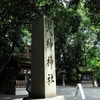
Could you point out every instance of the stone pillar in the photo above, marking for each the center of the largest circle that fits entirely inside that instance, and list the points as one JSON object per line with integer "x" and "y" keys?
{"x": 63, "y": 79}
{"x": 43, "y": 59}
{"x": 95, "y": 83}
{"x": 43, "y": 77}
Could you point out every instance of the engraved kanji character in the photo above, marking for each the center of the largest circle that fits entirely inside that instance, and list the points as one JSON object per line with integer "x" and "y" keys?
{"x": 50, "y": 44}
{"x": 49, "y": 28}
{"x": 47, "y": 42}
{"x": 48, "y": 61}
{"x": 52, "y": 80}
{"x": 48, "y": 79}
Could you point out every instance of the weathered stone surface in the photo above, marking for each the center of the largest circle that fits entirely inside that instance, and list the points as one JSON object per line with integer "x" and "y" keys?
{"x": 43, "y": 83}
{"x": 43, "y": 59}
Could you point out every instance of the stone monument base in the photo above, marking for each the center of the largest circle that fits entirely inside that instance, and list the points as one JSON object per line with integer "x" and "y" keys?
{"x": 60, "y": 97}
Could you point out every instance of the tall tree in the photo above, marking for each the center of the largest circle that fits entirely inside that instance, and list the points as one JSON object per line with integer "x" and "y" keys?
{"x": 15, "y": 20}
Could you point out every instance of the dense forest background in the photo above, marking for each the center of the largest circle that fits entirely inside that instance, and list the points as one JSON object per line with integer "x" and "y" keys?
{"x": 76, "y": 25}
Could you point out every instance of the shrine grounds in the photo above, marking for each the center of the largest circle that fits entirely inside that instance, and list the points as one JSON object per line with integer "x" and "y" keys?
{"x": 91, "y": 93}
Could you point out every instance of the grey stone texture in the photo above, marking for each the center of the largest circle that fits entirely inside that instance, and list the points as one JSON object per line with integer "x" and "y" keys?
{"x": 43, "y": 59}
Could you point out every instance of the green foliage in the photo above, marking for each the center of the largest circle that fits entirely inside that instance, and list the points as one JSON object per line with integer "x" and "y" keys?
{"x": 92, "y": 7}
{"x": 15, "y": 26}
{"x": 77, "y": 33}
{"x": 96, "y": 74}
{"x": 76, "y": 39}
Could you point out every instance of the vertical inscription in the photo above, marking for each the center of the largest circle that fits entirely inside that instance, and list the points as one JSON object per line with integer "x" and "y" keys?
{"x": 49, "y": 47}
